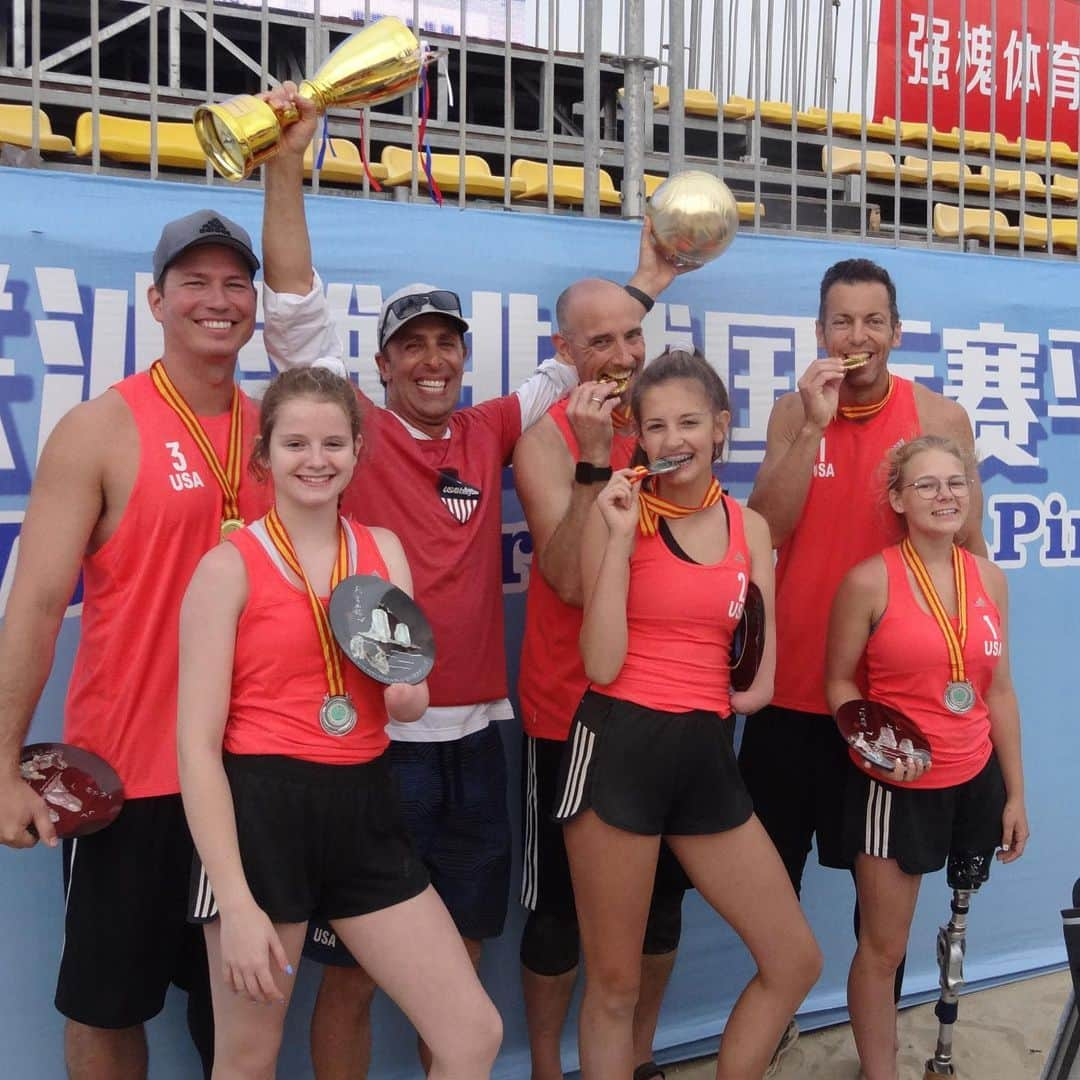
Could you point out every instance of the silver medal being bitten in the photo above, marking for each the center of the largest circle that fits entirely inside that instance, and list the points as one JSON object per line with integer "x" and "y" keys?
{"x": 337, "y": 715}
{"x": 959, "y": 696}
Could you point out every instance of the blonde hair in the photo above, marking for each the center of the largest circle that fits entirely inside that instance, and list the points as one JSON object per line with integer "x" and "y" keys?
{"x": 899, "y": 456}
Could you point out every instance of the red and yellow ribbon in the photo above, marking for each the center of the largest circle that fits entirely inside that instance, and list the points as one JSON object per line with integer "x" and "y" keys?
{"x": 864, "y": 412}
{"x": 227, "y": 475}
{"x": 954, "y": 638}
{"x": 651, "y": 508}
{"x": 331, "y": 653}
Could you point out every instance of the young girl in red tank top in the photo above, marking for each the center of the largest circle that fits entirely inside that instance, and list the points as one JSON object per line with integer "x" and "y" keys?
{"x": 292, "y": 817}
{"x": 665, "y": 573}
{"x": 931, "y": 620}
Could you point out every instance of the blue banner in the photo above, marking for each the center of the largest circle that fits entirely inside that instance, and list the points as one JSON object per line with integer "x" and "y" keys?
{"x": 999, "y": 335}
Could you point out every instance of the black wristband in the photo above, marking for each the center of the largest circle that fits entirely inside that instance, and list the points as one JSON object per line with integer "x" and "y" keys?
{"x": 588, "y": 473}
{"x": 643, "y": 298}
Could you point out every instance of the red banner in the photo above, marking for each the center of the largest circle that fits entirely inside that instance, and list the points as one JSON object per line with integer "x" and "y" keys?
{"x": 1007, "y": 63}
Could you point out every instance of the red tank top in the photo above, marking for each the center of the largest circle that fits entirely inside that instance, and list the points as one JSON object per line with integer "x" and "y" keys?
{"x": 908, "y": 668}
{"x": 552, "y": 677}
{"x": 680, "y": 619}
{"x": 279, "y": 676}
{"x": 121, "y": 700}
{"x": 846, "y": 519}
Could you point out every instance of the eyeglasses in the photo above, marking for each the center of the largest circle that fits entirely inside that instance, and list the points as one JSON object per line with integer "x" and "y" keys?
{"x": 440, "y": 299}
{"x": 929, "y": 487}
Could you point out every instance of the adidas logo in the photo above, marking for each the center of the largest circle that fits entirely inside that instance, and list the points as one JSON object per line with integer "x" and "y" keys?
{"x": 215, "y": 226}
{"x": 980, "y": 602}
{"x": 739, "y": 557}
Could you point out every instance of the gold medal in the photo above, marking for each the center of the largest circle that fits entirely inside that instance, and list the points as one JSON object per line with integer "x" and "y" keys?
{"x": 230, "y": 525}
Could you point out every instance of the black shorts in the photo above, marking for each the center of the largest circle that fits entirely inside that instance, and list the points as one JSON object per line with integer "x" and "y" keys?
{"x": 125, "y": 935}
{"x": 545, "y": 873}
{"x": 795, "y": 765}
{"x": 453, "y": 795}
{"x": 316, "y": 840}
{"x": 651, "y": 772}
{"x": 921, "y": 827}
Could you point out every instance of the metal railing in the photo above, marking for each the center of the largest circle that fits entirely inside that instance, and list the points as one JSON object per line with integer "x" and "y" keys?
{"x": 599, "y": 85}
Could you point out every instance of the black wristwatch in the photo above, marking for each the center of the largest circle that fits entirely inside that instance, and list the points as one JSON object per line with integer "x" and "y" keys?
{"x": 642, "y": 297}
{"x": 588, "y": 473}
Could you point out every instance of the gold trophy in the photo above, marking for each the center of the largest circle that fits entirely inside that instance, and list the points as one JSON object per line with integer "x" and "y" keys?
{"x": 379, "y": 63}
{"x": 694, "y": 217}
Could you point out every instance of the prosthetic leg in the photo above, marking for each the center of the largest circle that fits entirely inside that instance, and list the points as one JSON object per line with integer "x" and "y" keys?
{"x": 965, "y": 873}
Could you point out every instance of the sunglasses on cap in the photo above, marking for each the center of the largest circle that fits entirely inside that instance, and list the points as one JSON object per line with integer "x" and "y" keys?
{"x": 440, "y": 299}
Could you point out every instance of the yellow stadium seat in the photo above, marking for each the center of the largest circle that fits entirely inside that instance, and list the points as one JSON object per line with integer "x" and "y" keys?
{"x": 1065, "y": 187}
{"x": 914, "y": 132}
{"x": 16, "y": 123}
{"x": 1065, "y": 233}
{"x": 567, "y": 183}
{"x": 125, "y": 139}
{"x": 1035, "y": 150}
{"x": 341, "y": 163}
{"x": 845, "y": 162}
{"x": 980, "y": 141}
{"x": 1013, "y": 181}
{"x": 850, "y": 123}
{"x": 945, "y": 174}
{"x": 778, "y": 113}
{"x": 977, "y": 224}
{"x": 445, "y": 168}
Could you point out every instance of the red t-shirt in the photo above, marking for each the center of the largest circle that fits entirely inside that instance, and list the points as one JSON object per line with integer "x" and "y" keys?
{"x": 908, "y": 668}
{"x": 552, "y": 677}
{"x": 121, "y": 701}
{"x": 279, "y": 675}
{"x": 680, "y": 618}
{"x": 846, "y": 519}
{"x": 422, "y": 489}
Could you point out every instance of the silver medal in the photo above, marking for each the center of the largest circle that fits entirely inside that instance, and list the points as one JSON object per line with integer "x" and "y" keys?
{"x": 959, "y": 696}
{"x": 337, "y": 714}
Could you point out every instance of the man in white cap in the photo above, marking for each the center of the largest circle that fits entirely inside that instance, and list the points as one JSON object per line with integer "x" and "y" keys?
{"x": 432, "y": 470}
{"x": 126, "y": 492}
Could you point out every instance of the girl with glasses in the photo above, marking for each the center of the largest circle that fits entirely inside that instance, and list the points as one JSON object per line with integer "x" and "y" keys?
{"x": 929, "y": 621}
{"x": 666, "y": 563}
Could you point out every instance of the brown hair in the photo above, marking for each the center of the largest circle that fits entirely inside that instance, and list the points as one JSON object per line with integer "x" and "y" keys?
{"x": 679, "y": 364}
{"x": 318, "y": 383}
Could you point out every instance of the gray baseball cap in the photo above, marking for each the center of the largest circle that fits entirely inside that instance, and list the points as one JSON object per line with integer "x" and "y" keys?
{"x": 418, "y": 299}
{"x": 202, "y": 227}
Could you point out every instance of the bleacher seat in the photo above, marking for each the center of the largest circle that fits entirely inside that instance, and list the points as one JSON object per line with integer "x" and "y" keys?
{"x": 850, "y": 124}
{"x": 567, "y": 183}
{"x": 696, "y": 102}
{"x": 1035, "y": 151}
{"x": 915, "y": 132}
{"x": 846, "y": 162}
{"x": 1065, "y": 187}
{"x": 341, "y": 163}
{"x": 977, "y": 224}
{"x": 125, "y": 139}
{"x": 1013, "y": 182}
{"x": 778, "y": 113}
{"x": 945, "y": 174}
{"x": 16, "y": 124}
{"x": 980, "y": 141}
{"x": 445, "y": 168}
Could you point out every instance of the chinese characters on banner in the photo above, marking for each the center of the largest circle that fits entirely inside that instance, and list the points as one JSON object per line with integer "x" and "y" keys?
{"x": 991, "y": 58}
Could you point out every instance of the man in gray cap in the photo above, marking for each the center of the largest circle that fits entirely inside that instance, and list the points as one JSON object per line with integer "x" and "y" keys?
{"x": 125, "y": 492}
{"x": 430, "y": 471}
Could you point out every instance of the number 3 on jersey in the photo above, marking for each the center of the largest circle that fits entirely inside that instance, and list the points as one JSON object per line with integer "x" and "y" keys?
{"x": 181, "y": 478}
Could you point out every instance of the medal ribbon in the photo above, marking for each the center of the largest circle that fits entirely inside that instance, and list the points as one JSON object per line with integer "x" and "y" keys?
{"x": 954, "y": 640}
{"x": 331, "y": 653}
{"x": 621, "y": 419}
{"x": 227, "y": 476}
{"x": 864, "y": 412}
{"x": 651, "y": 508}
